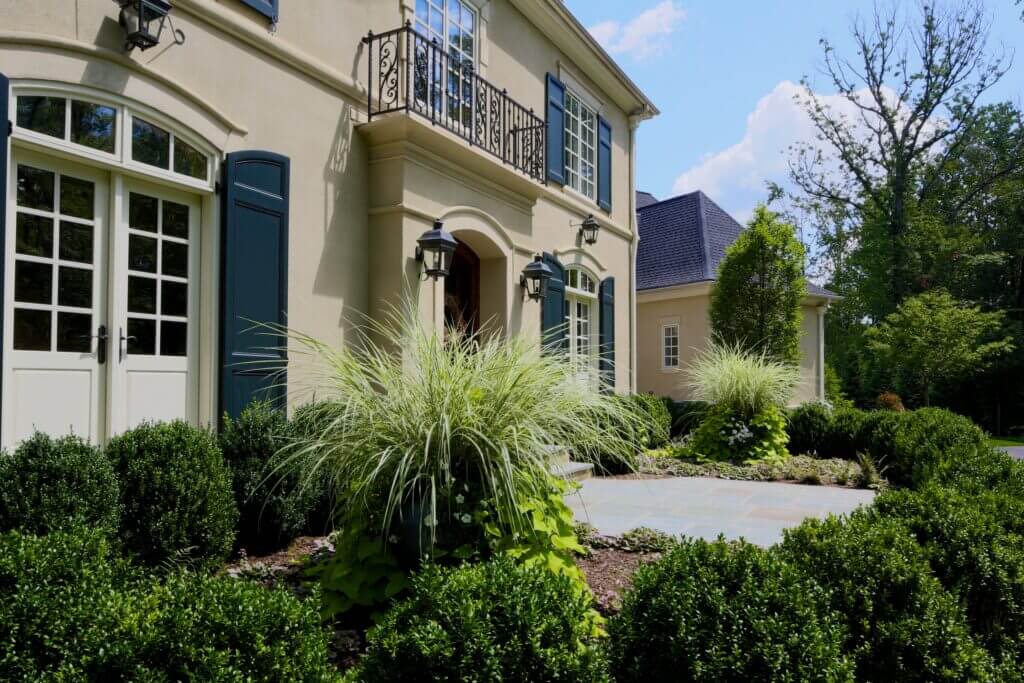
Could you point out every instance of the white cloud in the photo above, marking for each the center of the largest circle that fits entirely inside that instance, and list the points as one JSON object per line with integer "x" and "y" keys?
{"x": 644, "y": 35}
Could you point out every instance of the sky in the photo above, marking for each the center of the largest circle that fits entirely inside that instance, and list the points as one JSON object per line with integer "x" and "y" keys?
{"x": 724, "y": 72}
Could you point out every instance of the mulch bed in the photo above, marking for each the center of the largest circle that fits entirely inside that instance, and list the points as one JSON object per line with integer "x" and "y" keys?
{"x": 609, "y": 574}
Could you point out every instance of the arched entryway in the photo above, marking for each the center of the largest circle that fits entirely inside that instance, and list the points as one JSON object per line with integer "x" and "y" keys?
{"x": 477, "y": 289}
{"x": 462, "y": 291}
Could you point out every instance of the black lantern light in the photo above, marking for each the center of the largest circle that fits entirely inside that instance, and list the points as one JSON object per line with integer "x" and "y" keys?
{"x": 434, "y": 249}
{"x": 589, "y": 228}
{"x": 534, "y": 278}
{"x": 143, "y": 22}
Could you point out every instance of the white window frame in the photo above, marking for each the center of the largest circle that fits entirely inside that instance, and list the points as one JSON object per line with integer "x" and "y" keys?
{"x": 122, "y": 156}
{"x": 581, "y": 288}
{"x": 443, "y": 90}
{"x": 580, "y": 145}
{"x": 667, "y": 349}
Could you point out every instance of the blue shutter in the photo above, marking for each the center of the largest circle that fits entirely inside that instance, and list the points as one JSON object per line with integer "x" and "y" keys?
{"x": 267, "y": 8}
{"x": 607, "y": 336}
{"x": 604, "y": 165}
{"x": 552, "y": 314}
{"x": 254, "y": 279}
{"x": 5, "y": 132}
{"x": 556, "y": 130}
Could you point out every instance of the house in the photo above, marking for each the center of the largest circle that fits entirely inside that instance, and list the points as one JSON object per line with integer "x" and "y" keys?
{"x": 176, "y": 171}
{"x": 682, "y": 242}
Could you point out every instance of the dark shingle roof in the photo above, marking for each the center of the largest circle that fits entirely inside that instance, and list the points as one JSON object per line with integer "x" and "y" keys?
{"x": 683, "y": 239}
{"x": 645, "y": 199}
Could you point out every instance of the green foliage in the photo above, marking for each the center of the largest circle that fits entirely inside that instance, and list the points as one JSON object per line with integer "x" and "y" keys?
{"x": 725, "y": 612}
{"x": 809, "y": 428}
{"x": 646, "y": 540}
{"x": 175, "y": 493}
{"x": 686, "y": 416}
{"x": 901, "y": 624}
{"x": 273, "y": 504}
{"x": 660, "y": 420}
{"x": 834, "y": 392}
{"x": 496, "y": 621}
{"x": 745, "y": 383}
{"x": 72, "y": 610}
{"x": 50, "y": 484}
{"x": 933, "y": 338}
{"x": 755, "y": 304}
{"x": 726, "y": 436}
{"x": 973, "y": 555}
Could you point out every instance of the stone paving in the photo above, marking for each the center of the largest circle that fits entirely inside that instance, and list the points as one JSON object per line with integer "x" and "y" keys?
{"x": 1015, "y": 451}
{"x": 705, "y": 507}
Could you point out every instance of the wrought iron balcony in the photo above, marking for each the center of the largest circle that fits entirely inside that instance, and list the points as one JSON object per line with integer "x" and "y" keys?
{"x": 411, "y": 73}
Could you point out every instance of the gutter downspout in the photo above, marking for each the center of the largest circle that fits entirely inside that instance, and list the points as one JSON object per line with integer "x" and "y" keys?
{"x": 821, "y": 352}
{"x": 634, "y": 123}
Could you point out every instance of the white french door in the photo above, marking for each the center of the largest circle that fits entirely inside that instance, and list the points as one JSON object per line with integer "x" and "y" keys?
{"x": 100, "y": 302}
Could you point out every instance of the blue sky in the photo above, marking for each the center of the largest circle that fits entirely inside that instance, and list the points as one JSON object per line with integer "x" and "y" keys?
{"x": 723, "y": 73}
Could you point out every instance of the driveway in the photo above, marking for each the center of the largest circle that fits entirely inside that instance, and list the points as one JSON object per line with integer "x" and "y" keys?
{"x": 705, "y": 508}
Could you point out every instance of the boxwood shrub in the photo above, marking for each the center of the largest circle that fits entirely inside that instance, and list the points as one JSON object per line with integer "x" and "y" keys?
{"x": 273, "y": 503}
{"x": 686, "y": 416}
{"x": 974, "y": 556}
{"x": 901, "y": 623}
{"x": 72, "y": 610}
{"x": 495, "y": 621}
{"x": 175, "y": 493}
{"x": 725, "y": 612}
{"x": 50, "y": 484}
{"x": 809, "y": 428}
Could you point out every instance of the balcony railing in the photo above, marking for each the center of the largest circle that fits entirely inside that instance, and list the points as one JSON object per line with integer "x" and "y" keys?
{"x": 414, "y": 74}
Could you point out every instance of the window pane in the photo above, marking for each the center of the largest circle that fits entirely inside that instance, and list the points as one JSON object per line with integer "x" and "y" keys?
{"x": 175, "y": 259}
{"x": 33, "y": 282}
{"x": 42, "y": 114}
{"x": 31, "y": 330}
{"x": 76, "y": 197}
{"x": 175, "y": 220}
{"x": 35, "y": 188}
{"x": 189, "y": 160}
{"x": 174, "y": 299}
{"x": 74, "y": 332}
{"x": 173, "y": 338}
{"x": 142, "y": 254}
{"x": 141, "y": 337}
{"x": 141, "y": 295}
{"x": 150, "y": 144}
{"x": 74, "y": 287}
{"x": 93, "y": 125}
{"x": 142, "y": 212}
{"x": 76, "y": 242}
{"x": 34, "y": 236}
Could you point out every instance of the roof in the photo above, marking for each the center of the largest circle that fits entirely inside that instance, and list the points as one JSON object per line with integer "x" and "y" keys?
{"x": 683, "y": 240}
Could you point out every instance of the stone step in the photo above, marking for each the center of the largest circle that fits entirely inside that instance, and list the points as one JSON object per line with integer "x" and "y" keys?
{"x": 573, "y": 471}
{"x": 558, "y": 455}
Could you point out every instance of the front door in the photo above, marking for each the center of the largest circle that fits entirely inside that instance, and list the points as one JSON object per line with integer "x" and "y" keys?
{"x": 100, "y": 302}
{"x": 55, "y": 300}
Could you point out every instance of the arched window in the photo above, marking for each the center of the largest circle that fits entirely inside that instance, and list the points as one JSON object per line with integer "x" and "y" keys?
{"x": 581, "y": 312}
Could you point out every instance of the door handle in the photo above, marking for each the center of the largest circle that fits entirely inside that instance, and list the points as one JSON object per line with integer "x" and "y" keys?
{"x": 101, "y": 337}
{"x": 122, "y": 345}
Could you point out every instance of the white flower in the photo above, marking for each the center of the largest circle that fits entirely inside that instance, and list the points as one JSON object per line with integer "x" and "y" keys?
{"x": 466, "y": 518}
{"x": 393, "y": 538}
{"x": 429, "y": 521}
{"x": 460, "y": 499}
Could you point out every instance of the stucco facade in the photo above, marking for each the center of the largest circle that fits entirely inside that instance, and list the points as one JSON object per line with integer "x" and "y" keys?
{"x": 360, "y": 194}
{"x": 687, "y": 307}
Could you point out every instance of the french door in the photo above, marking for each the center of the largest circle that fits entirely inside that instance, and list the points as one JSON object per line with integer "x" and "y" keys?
{"x": 99, "y": 301}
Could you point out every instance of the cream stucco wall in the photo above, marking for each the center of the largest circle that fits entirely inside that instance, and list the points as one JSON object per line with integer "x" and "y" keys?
{"x": 361, "y": 193}
{"x": 688, "y": 307}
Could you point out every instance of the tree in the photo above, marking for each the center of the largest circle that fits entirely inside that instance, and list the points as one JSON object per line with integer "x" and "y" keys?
{"x": 907, "y": 103}
{"x": 933, "y": 338}
{"x": 756, "y": 299}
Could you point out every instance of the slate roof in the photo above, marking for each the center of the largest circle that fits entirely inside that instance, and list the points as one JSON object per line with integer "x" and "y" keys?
{"x": 645, "y": 199}
{"x": 683, "y": 239}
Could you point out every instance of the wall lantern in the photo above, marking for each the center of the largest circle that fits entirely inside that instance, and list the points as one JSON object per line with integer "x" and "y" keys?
{"x": 143, "y": 22}
{"x": 534, "y": 278}
{"x": 588, "y": 229}
{"x": 434, "y": 249}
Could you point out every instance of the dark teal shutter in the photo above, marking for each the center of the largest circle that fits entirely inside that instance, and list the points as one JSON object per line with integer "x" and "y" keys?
{"x": 556, "y": 130}
{"x": 267, "y": 8}
{"x": 607, "y": 336}
{"x": 552, "y": 314}
{"x": 5, "y": 132}
{"x": 604, "y": 165}
{"x": 254, "y": 279}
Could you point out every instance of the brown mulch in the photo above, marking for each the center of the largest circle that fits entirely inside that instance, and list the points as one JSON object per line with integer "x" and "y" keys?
{"x": 609, "y": 573}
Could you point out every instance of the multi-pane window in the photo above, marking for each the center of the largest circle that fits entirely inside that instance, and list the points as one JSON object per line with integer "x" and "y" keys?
{"x": 451, "y": 25}
{"x": 158, "y": 233}
{"x": 580, "y": 145}
{"x": 53, "y": 262}
{"x": 670, "y": 346}
{"x": 581, "y": 319}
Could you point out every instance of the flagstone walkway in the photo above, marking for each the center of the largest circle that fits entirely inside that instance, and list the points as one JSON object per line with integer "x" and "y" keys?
{"x": 704, "y": 507}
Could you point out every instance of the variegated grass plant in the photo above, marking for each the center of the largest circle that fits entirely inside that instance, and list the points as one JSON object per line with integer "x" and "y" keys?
{"x": 407, "y": 414}
{"x": 745, "y": 382}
